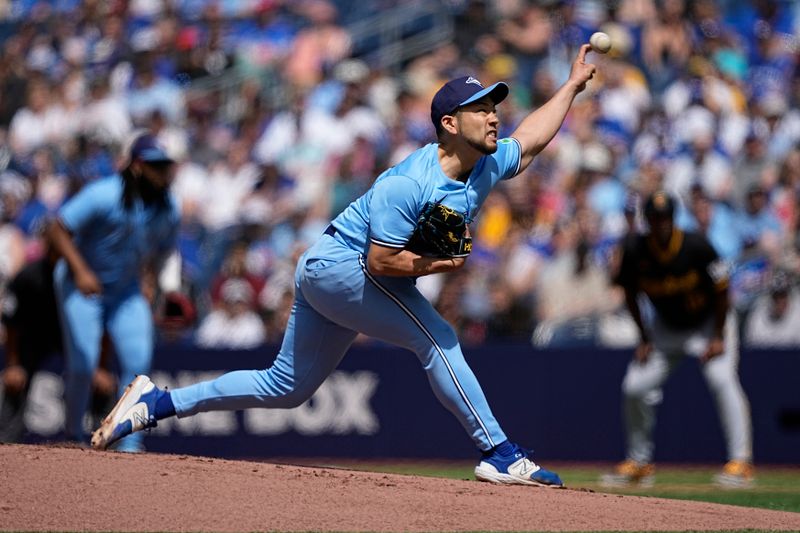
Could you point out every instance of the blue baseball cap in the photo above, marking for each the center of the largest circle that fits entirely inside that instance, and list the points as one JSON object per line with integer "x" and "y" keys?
{"x": 462, "y": 91}
{"x": 147, "y": 148}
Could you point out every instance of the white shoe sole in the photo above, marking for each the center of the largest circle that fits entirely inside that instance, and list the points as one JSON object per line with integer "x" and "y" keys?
{"x": 129, "y": 398}
{"x": 491, "y": 476}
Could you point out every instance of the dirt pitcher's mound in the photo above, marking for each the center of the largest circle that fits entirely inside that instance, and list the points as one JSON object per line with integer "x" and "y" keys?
{"x": 58, "y": 489}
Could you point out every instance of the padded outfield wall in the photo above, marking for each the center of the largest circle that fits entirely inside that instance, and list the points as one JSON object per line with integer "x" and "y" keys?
{"x": 564, "y": 404}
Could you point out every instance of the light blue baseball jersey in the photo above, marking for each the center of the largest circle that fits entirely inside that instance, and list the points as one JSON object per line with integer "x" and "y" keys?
{"x": 387, "y": 213}
{"x": 116, "y": 242}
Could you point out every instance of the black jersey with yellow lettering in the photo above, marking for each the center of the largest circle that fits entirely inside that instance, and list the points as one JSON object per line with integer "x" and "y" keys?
{"x": 681, "y": 280}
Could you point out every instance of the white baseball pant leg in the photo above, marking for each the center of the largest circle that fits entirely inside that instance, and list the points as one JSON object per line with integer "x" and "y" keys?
{"x": 642, "y": 388}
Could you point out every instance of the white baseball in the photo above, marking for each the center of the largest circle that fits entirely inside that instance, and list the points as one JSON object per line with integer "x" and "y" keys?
{"x": 601, "y": 42}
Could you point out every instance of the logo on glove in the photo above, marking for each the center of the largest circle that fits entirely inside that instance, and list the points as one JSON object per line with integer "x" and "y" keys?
{"x": 447, "y": 212}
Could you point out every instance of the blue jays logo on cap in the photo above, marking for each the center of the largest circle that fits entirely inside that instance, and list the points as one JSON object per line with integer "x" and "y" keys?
{"x": 462, "y": 91}
{"x": 147, "y": 148}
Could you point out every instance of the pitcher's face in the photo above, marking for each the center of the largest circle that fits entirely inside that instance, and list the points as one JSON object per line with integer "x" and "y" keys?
{"x": 478, "y": 125}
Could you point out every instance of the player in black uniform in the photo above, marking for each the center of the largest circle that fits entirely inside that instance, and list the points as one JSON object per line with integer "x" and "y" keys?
{"x": 687, "y": 284}
{"x": 33, "y": 333}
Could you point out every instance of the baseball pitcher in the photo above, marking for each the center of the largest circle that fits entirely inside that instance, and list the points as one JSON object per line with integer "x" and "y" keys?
{"x": 359, "y": 277}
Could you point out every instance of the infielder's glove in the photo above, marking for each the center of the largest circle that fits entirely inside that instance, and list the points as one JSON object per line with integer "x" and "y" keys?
{"x": 440, "y": 232}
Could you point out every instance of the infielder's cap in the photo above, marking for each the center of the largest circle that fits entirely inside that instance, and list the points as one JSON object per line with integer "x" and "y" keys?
{"x": 660, "y": 204}
{"x": 462, "y": 91}
{"x": 147, "y": 148}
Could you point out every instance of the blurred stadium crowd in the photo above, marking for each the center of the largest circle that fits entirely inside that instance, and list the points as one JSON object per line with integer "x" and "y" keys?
{"x": 278, "y": 119}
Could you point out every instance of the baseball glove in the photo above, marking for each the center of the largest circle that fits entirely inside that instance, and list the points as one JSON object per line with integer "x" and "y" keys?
{"x": 440, "y": 232}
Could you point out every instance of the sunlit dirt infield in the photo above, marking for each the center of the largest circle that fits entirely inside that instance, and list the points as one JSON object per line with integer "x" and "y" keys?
{"x": 52, "y": 488}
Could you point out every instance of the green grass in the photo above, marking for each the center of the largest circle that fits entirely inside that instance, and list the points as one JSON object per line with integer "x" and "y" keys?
{"x": 776, "y": 488}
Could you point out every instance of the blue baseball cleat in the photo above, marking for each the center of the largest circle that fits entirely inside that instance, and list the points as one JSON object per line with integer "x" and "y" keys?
{"x": 134, "y": 411}
{"x": 515, "y": 469}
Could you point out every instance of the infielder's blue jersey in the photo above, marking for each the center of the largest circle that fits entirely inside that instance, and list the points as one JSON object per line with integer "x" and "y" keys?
{"x": 387, "y": 213}
{"x": 116, "y": 242}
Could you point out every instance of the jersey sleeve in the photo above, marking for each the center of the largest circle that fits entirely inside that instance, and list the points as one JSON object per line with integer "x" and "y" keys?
{"x": 393, "y": 211}
{"x": 717, "y": 268}
{"x": 508, "y": 157}
{"x": 80, "y": 210}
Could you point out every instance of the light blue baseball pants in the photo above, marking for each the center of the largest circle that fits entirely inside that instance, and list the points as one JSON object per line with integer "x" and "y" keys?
{"x": 127, "y": 319}
{"x": 335, "y": 299}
